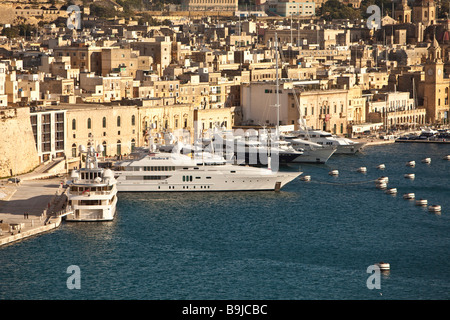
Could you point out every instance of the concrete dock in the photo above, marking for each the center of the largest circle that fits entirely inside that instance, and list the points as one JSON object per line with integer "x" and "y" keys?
{"x": 374, "y": 141}
{"x": 25, "y": 208}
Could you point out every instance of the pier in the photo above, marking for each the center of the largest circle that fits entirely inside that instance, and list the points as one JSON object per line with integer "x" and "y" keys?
{"x": 30, "y": 207}
{"x": 422, "y": 141}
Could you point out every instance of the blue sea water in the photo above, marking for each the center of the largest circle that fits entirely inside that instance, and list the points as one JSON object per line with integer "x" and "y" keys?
{"x": 310, "y": 241}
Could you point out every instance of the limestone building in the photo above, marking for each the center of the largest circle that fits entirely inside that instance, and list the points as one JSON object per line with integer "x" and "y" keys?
{"x": 319, "y": 109}
{"x": 424, "y": 11}
{"x": 213, "y": 5}
{"x": 402, "y": 12}
{"x": 49, "y": 131}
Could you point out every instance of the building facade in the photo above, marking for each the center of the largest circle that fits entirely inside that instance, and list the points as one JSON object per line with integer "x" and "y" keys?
{"x": 299, "y": 101}
{"x": 207, "y": 5}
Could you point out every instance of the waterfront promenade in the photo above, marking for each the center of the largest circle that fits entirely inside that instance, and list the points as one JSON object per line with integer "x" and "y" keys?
{"x": 24, "y": 207}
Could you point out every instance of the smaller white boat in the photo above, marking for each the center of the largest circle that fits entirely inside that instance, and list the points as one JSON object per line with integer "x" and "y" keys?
{"x": 384, "y": 266}
{"x": 409, "y": 176}
{"x": 434, "y": 208}
{"x": 333, "y": 173}
{"x": 362, "y": 169}
{"x": 305, "y": 178}
{"x": 409, "y": 196}
{"x": 426, "y": 160}
{"x": 411, "y": 164}
{"x": 391, "y": 191}
{"x": 447, "y": 157}
{"x": 421, "y": 202}
{"x": 381, "y": 167}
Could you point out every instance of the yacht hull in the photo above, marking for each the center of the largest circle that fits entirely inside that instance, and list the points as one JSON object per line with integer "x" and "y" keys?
{"x": 319, "y": 155}
{"x": 269, "y": 182}
{"x": 349, "y": 149}
{"x": 91, "y": 214}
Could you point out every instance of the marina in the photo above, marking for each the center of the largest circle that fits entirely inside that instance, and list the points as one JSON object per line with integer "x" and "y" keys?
{"x": 271, "y": 237}
{"x": 224, "y": 150}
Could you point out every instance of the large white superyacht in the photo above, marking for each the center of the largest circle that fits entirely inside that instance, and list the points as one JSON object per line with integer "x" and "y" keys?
{"x": 152, "y": 171}
{"x": 92, "y": 193}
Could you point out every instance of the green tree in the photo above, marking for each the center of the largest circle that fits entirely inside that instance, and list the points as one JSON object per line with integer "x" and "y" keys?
{"x": 333, "y": 9}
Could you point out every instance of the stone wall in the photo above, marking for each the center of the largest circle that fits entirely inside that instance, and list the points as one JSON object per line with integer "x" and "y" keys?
{"x": 7, "y": 14}
{"x": 17, "y": 146}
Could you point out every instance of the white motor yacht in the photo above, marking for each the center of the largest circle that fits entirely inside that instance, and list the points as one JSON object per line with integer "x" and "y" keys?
{"x": 312, "y": 152}
{"x": 92, "y": 193}
{"x": 343, "y": 145}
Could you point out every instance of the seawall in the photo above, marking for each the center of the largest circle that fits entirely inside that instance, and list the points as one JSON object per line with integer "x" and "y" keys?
{"x": 17, "y": 146}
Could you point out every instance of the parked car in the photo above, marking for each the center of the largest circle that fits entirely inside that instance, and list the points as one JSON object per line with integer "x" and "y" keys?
{"x": 14, "y": 180}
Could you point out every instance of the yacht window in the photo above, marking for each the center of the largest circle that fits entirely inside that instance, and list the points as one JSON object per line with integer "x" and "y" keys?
{"x": 208, "y": 177}
{"x": 233, "y": 171}
{"x": 197, "y": 177}
{"x": 155, "y": 177}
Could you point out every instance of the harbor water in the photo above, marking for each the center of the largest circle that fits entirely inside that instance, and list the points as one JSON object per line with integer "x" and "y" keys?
{"x": 310, "y": 241}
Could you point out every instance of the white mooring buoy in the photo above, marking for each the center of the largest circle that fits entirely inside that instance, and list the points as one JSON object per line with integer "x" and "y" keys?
{"x": 383, "y": 179}
{"x": 391, "y": 191}
{"x": 409, "y": 196}
{"x": 333, "y": 173}
{"x": 384, "y": 266}
{"x": 421, "y": 202}
{"x": 410, "y": 163}
{"x": 381, "y": 184}
{"x": 434, "y": 208}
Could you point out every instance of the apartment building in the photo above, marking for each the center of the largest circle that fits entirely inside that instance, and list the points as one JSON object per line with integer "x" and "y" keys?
{"x": 49, "y": 131}
{"x": 319, "y": 109}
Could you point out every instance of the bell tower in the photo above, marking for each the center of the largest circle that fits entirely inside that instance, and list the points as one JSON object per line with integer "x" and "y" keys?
{"x": 403, "y": 12}
{"x": 436, "y": 87}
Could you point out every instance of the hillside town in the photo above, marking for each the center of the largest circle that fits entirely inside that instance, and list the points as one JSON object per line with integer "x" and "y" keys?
{"x": 118, "y": 74}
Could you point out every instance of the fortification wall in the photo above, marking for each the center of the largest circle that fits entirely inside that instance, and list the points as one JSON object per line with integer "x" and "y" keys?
{"x": 7, "y": 14}
{"x": 17, "y": 147}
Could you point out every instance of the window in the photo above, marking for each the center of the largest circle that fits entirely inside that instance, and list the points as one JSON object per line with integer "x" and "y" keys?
{"x": 118, "y": 121}
{"x": 119, "y": 147}
{"x": 74, "y": 150}
{"x": 133, "y": 120}
{"x": 89, "y": 123}
{"x": 74, "y": 124}
{"x": 104, "y": 122}
{"x": 104, "y": 149}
